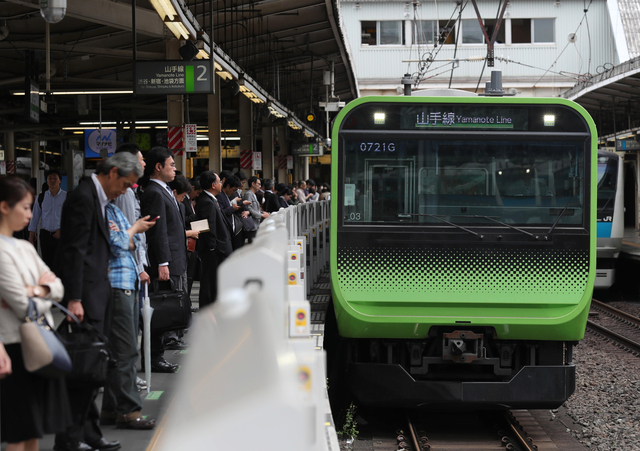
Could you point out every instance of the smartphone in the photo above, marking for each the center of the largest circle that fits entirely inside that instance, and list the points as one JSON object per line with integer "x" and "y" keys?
{"x": 155, "y": 219}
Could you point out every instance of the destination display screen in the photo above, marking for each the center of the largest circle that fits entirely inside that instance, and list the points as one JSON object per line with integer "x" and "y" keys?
{"x": 425, "y": 116}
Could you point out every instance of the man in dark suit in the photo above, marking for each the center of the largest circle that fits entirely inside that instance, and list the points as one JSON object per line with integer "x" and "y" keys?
{"x": 83, "y": 262}
{"x": 215, "y": 245}
{"x": 166, "y": 240}
{"x": 233, "y": 212}
{"x": 271, "y": 202}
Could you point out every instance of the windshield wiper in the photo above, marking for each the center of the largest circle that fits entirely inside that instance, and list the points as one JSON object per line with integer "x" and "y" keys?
{"x": 490, "y": 218}
{"x": 439, "y": 218}
{"x": 607, "y": 202}
{"x": 560, "y": 215}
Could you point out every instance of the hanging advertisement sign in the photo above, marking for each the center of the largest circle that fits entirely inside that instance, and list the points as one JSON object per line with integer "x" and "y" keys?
{"x": 97, "y": 141}
{"x": 289, "y": 162}
{"x": 190, "y": 137}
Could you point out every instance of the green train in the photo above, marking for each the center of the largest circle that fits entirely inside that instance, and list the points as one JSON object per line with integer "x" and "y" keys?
{"x": 462, "y": 248}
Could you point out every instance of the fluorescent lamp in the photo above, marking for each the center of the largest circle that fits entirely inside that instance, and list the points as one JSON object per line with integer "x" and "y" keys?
{"x": 250, "y": 91}
{"x": 124, "y": 122}
{"x": 205, "y": 138}
{"x": 177, "y": 28}
{"x": 164, "y": 9}
{"x": 73, "y": 93}
{"x": 294, "y": 124}
{"x": 276, "y": 110}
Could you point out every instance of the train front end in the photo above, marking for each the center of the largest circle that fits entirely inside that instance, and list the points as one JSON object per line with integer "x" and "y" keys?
{"x": 462, "y": 249}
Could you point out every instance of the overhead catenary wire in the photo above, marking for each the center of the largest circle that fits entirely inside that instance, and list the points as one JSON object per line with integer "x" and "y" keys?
{"x": 426, "y": 61}
{"x": 586, "y": 10}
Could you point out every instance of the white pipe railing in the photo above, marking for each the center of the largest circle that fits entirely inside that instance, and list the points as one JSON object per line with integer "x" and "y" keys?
{"x": 252, "y": 364}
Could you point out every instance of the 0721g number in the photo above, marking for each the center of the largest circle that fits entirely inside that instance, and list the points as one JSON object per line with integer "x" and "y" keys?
{"x": 377, "y": 147}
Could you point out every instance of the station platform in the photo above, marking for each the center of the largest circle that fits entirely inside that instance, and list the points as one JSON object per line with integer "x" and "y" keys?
{"x": 157, "y": 403}
{"x": 630, "y": 244}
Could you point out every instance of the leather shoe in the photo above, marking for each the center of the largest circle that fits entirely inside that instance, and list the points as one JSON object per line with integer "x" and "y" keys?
{"x": 135, "y": 423}
{"x": 162, "y": 366}
{"x": 73, "y": 446}
{"x": 104, "y": 445}
{"x": 175, "y": 344}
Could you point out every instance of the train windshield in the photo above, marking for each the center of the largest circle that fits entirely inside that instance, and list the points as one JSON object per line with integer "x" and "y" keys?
{"x": 607, "y": 181}
{"x": 473, "y": 181}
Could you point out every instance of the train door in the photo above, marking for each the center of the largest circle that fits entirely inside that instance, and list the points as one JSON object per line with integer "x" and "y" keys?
{"x": 389, "y": 188}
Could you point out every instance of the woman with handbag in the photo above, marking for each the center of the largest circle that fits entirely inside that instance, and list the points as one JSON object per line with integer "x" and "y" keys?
{"x": 30, "y": 405}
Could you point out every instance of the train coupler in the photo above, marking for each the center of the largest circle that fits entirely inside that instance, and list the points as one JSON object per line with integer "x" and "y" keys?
{"x": 462, "y": 346}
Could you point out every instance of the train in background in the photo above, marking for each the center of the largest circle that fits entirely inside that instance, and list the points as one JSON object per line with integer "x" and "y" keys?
{"x": 463, "y": 250}
{"x": 610, "y": 216}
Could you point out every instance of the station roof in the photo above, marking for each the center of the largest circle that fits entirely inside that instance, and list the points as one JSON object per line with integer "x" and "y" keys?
{"x": 285, "y": 46}
{"x": 612, "y": 98}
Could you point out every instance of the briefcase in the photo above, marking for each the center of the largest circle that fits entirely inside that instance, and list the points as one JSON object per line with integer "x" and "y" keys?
{"x": 171, "y": 306}
{"x": 89, "y": 352}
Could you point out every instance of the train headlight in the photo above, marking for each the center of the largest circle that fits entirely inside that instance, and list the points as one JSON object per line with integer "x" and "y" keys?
{"x": 378, "y": 118}
{"x": 549, "y": 120}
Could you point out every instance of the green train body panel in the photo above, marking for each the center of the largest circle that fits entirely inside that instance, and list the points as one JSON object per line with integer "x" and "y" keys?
{"x": 526, "y": 293}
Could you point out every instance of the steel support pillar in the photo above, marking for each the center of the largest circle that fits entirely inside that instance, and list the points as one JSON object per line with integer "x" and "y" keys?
{"x": 245, "y": 125}
{"x": 267, "y": 152}
{"x": 284, "y": 150}
{"x": 175, "y": 107}
{"x": 215, "y": 135}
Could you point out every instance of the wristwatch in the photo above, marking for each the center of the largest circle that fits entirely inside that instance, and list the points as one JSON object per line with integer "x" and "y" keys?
{"x": 36, "y": 291}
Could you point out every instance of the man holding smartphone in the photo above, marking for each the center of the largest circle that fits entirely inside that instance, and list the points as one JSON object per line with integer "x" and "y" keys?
{"x": 167, "y": 244}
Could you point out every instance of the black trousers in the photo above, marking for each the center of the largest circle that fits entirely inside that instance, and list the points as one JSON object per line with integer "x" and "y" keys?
{"x": 209, "y": 279}
{"x": 48, "y": 247}
{"x": 237, "y": 241}
{"x": 192, "y": 265}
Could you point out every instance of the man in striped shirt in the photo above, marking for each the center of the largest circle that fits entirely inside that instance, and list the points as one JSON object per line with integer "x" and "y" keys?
{"x": 48, "y": 208}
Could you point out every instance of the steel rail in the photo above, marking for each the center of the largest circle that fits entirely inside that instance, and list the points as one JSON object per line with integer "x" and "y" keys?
{"x": 614, "y": 311}
{"x": 630, "y": 344}
{"x": 519, "y": 433}
{"x": 414, "y": 435}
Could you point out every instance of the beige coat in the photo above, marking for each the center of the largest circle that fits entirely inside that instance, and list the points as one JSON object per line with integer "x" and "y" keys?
{"x": 20, "y": 265}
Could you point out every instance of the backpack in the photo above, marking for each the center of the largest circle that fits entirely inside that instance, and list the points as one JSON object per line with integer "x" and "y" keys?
{"x": 41, "y": 199}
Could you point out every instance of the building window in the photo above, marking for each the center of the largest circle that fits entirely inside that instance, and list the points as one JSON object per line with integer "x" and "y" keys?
{"x": 472, "y": 33}
{"x": 447, "y": 32}
{"x": 544, "y": 30}
{"x": 527, "y": 31}
{"x": 386, "y": 32}
{"x": 369, "y": 33}
{"x": 424, "y": 32}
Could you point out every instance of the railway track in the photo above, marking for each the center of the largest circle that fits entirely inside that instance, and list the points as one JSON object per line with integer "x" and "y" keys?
{"x": 480, "y": 431}
{"x": 615, "y": 325}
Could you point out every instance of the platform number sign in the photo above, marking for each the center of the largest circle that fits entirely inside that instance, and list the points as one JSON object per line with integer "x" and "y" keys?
{"x": 173, "y": 77}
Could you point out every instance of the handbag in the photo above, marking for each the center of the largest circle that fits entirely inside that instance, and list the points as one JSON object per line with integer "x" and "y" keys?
{"x": 89, "y": 352}
{"x": 249, "y": 224}
{"x": 43, "y": 352}
{"x": 171, "y": 308}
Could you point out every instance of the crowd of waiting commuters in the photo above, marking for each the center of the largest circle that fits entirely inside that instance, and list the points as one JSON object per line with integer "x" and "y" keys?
{"x": 127, "y": 225}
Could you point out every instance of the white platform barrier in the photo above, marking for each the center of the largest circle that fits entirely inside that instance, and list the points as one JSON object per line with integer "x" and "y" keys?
{"x": 253, "y": 378}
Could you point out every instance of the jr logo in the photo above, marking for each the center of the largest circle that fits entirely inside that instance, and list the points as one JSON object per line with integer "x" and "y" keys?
{"x": 607, "y": 219}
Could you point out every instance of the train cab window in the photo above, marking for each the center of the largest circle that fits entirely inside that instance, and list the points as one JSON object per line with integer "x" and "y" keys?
{"x": 607, "y": 181}
{"x": 467, "y": 182}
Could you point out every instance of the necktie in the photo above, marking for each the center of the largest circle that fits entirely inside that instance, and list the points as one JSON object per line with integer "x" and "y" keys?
{"x": 171, "y": 194}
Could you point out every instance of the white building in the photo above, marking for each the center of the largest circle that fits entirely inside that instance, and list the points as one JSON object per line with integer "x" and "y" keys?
{"x": 543, "y": 47}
